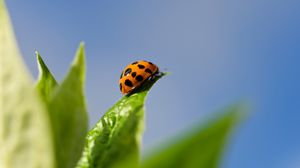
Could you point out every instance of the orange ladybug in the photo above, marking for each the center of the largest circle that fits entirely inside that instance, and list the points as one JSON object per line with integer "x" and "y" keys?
{"x": 135, "y": 74}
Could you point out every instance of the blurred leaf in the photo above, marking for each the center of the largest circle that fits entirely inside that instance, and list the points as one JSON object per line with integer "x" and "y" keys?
{"x": 200, "y": 148}
{"x": 46, "y": 82}
{"x": 25, "y": 131}
{"x": 114, "y": 141}
{"x": 68, "y": 114}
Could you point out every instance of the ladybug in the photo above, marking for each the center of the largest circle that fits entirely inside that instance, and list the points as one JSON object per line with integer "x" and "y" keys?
{"x": 135, "y": 74}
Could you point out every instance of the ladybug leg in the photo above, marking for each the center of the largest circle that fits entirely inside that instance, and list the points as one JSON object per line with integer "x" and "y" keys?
{"x": 150, "y": 78}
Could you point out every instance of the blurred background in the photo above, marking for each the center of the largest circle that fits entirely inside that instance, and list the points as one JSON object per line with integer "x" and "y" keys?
{"x": 218, "y": 53}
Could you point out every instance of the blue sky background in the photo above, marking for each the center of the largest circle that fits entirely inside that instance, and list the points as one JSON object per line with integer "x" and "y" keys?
{"x": 219, "y": 53}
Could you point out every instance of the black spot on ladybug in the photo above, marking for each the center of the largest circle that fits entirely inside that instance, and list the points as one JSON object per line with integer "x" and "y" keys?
{"x": 127, "y": 71}
{"x": 150, "y": 63}
{"x": 134, "y": 63}
{"x": 139, "y": 78}
{"x": 128, "y": 83}
{"x": 148, "y": 71}
{"x": 121, "y": 86}
{"x": 133, "y": 74}
{"x": 141, "y": 66}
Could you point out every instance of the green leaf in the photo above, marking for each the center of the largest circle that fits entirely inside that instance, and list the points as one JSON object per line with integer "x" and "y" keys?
{"x": 46, "y": 82}
{"x": 200, "y": 148}
{"x": 67, "y": 108}
{"x": 115, "y": 140}
{"x": 68, "y": 114}
{"x": 25, "y": 132}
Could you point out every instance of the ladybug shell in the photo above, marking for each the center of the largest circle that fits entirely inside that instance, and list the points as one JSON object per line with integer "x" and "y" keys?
{"x": 135, "y": 74}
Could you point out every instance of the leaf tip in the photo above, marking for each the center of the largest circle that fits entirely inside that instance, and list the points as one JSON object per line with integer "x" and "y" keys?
{"x": 238, "y": 112}
{"x": 244, "y": 111}
{"x": 165, "y": 73}
{"x": 82, "y": 44}
{"x": 41, "y": 65}
{"x": 38, "y": 57}
{"x": 80, "y": 55}
{"x": 78, "y": 65}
